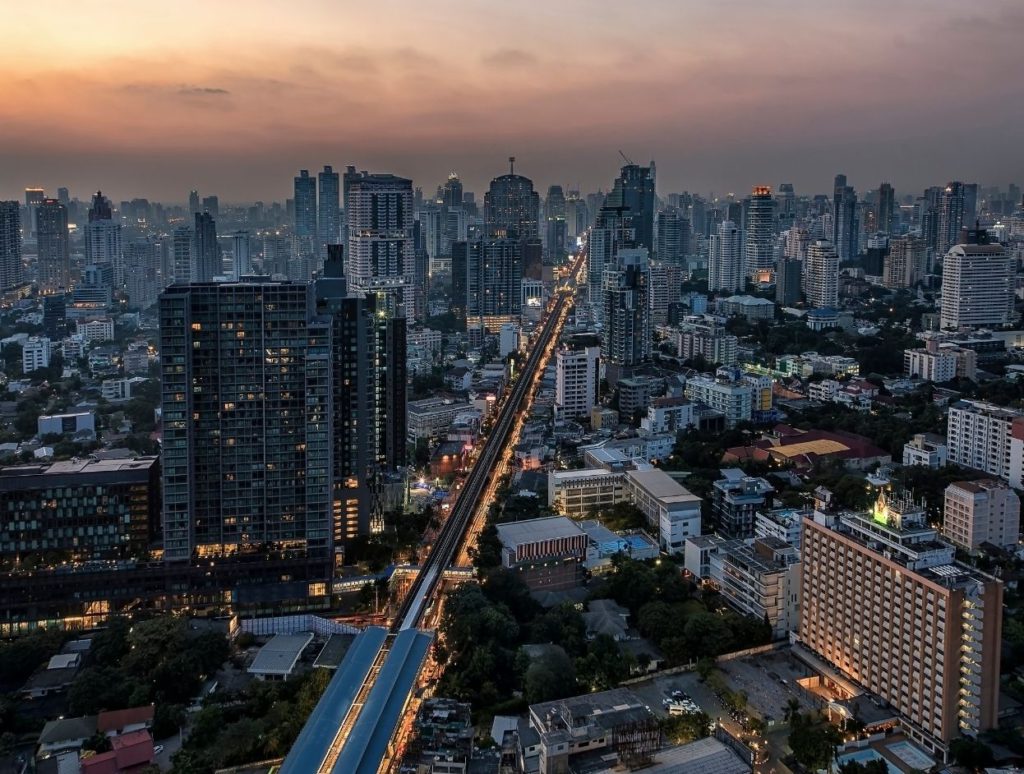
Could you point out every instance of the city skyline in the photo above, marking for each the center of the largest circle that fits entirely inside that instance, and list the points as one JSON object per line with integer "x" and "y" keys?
{"x": 144, "y": 103}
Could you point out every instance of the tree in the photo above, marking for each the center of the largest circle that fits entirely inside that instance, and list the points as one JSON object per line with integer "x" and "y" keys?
{"x": 707, "y": 634}
{"x": 550, "y": 676}
{"x": 813, "y": 745}
{"x": 876, "y": 766}
{"x": 971, "y": 753}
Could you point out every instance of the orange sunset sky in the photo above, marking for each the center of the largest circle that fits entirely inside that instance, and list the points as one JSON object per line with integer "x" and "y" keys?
{"x": 152, "y": 99}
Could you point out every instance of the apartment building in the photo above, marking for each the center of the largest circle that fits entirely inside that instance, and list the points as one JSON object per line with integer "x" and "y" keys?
{"x": 927, "y": 449}
{"x": 760, "y": 578}
{"x": 977, "y": 512}
{"x": 886, "y": 604}
{"x": 988, "y": 438}
{"x": 735, "y": 499}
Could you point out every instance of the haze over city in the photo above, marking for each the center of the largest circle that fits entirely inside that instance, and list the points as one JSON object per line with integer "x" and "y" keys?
{"x": 146, "y": 100}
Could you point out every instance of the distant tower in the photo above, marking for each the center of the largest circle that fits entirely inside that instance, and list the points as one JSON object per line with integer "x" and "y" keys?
{"x": 759, "y": 233}
{"x": 11, "y": 273}
{"x": 634, "y": 188}
{"x": 885, "y": 208}
{"x": 305, "y": 214}
{"x": 626, "y": 340}
{"x": 103, "y": 238}
{"x": 951, "y": 217}
{"x": 844, "y": 219}
{"x": 512, "y": 207}
{"x": 329, "y": 210}
{"x": 725, "y": 262}
{"x": 206, "y": 251}
{"x": 193, "y": 202}
{"x": 242, "y": 251}
{"x": 54, "y": 257}
{"x": 821, "y": 274}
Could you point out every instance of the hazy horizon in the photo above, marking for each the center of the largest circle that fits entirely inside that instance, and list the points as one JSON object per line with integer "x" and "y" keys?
{"x": 154, "y": 102}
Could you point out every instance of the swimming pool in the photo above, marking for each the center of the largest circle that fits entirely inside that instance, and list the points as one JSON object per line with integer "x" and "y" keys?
{"x": 864, "y": 756}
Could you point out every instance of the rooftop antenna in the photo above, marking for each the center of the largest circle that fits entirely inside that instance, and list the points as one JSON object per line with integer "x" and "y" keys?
{"x": 511, "y": 165}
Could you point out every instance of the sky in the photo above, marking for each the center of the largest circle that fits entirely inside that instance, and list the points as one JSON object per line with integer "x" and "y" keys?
{"x": 232, "y": 97}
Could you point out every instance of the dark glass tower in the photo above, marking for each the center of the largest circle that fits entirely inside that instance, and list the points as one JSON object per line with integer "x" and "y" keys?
{"x": 54, "y": 263}
{"x": 512, "y": 207}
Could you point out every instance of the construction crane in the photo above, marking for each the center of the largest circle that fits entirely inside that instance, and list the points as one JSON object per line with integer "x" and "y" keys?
{"x": 627, "y": 158}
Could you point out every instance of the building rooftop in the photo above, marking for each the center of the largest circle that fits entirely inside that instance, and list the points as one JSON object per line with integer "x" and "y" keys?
{"x": 280, "y": 655}
{"x": 535, "y": 530}
{"x": 659, "y": 484}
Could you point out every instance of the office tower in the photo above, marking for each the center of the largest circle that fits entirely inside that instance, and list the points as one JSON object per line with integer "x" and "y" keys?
{"x": 971, "y": 202}
{"x": 979, "y": 512}
{"x": 725, "y": 260}
{"x": 242, "y": 252}
{"x": 844, "y": 219}
{"x": 64, "y": 196}
{"x": 452, "y": 193}
{"x": 54, "y": 261}
{"x": 181, "y": 252}
{"x": 673, "y": 236}
{"x": 577, "y": 376}
{"x": 305, "y": 215}
{"x": 759, "y": 235}
{"x": 613, "y": 231}
{"x": 381, "y": 255}
{"x": 988, "y": 438}
{"x": 626, "y": 339}
{"x": 555, "y": 203}
{"x": 142, "y": 272}
{"x": 282, "y": 406}
{"x": 460, "y": 277}
{"x": 951, "y": 217}
{"x": 788, "y": 278}
{"x": 329, "y": 210}
{"x": 103, "y": 237}
{"x": 277, "y": 254}
{"x": 211, "y": 204}
{"x": 194, "y": 205}
{"x": 512, "y": 207}
{"x": 206, "y": 250}
{"x": 785, "y": 206}
{"x": 634, "y": 189}
{"x": 977, "y": 283}
{"x": 33, "y": 198}
{"x": 493, "y": 282}
{"x": 11, "y": 272}
{"x": 577, "y": 220}
{"x": 884, "y": 208}
{"x": 821, "y": 274}
{"x": 885, "y": 602}
{"x": 904, "y": 266}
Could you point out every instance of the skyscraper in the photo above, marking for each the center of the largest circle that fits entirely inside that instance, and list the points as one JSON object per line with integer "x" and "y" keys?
{"x": 759, "y": 234}
{"x": 305, "y": 215}
{"x": 181, "y": 255}
{"x": 977, "y": 283}
{"x": 788, "y": 278}
{"x": 512, "y": 207}
{"x": 821, "y": 274}
{"x": 626, "y": 338}
{"x": 673, "y": 237}
{"x": 33, "y": 198}
{"x": 142, "y": 272}
{"x": 577, "y": 376}
{"x": 556, "y": 230}
{"x": 381, "y": 252}
{"x": 329, "y": 210}
{"x": 613, "y": 231}
{"x": 11, "y": 273}
{"x": 904, "y": 265}
{"x": 283, "y": 404}
{"x": 103, "y": 238}
{"x": 54, "y": 262}
{"x": 884, "y": 208}
{"x": 844, "y": 219}
{"x": 206, "y": 250}
{"x": 634, "y": 188}
{"x": 194, "y": 205}
{"x": 725, "y": 262}
{"x": 494, "y": 281}
{"x": 242, "y": 252}
{"x": 951, "y": 217}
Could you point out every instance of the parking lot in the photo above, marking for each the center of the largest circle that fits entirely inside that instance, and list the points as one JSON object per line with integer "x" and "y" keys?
{"x": 770, "y": 681}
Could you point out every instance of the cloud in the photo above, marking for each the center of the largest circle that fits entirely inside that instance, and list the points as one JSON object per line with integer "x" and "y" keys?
{"x": 202, "y": 91}
{"x": 509, "y": 58}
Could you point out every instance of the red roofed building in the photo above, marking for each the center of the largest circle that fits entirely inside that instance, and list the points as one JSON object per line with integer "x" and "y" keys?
{"x": 131, "y": 753}
{"x": 803, "y": 448}
{"x": 126, "y": 720}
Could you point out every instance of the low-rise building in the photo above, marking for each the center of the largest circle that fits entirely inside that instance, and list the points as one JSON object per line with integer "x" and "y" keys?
{"x": 99, "y": 329}
{"x": 926, "y": 449}
{"x": 705, "y": 337}
{"x": 430, "y": 418}
{"x": 278, "y": 658}
{"x": 785, "y": 524}
{"x": 635, "y": 394}
{"x": 979, "y": 512}
{"x": 668, "y": 506}
{"x": 583, "y": 493}
{"x": 35, "y": 354}
{"x": 547, "y": 553}
{"x": 668, "y": 415}
{"x": 750, "y": 307}
{"x": 66, "y": 424}
{"x": 724, "y": 393}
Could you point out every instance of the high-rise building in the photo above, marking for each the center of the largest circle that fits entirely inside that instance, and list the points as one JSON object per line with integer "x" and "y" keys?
{"x": 305, "y": 215}
{"x": 211, "y": 204}
{"x": 885, "y": 602}
{"x": 241, "y": 254}
{"x": 283, "y": 404}
{"x": 626, "y": 339}
{"x": 904, "y": 265}
{"x": 725, "y": 260}
{"x": 181, "y": 255}
{"x": 759, "y": 234}
{"x": 577, "y": 376}
{"x": 328, "y": 210}
{"x": 33, "y": 198}
{"x": 788, "y": 278}
{"x": 634, "y": 189}
{"x": 493, "y": 280}
{"x": 844, "y": 220}
{"x": 970, "y": 202}
{"x": 206, "y": 250}
{"x": 797, "y": 240}
{"x": 103, "y": 238}
{"x": 979, "y": 512}
{"x": 11, "y": 273}
{"x": 977, "y": 283}
{"x": 194, "y": 204}
{"x": 821, "y": 274}
{"x": 54, "y": 261}
{"x": 381, "y": 252}
{"x": 512, "y": 207}
{"x": 988, "y": 438}
{"x": 951, "y": 217}
{"x": 613, "y": 231}
{"x": 884, "y": 208}
{"x": 142, "y": 272}
{"x": 673, "y": 237}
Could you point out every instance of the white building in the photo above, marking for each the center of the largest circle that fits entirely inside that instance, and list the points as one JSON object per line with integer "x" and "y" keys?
{"x": 821, "y": 274}
{"x": 70, "y": 424}
{"x": 725, "y": 264}
{"x": 668, "y": 415}
{"x": 760, "y": 578}
{"x": 785, "y": 524}
{"x": 977, "y": 286}
{"x": 35, "y": 354}
{"x": 101, "y": 329}
{"x": 939, "y": 366}
{"x": 668, "y": 505}
{"x": 733, "y": 399}
{"x": 577, "y": 377}
{"x": 508, "y": 339}
{"x": 926, "y": 449}
{"x": 582, "y": 493}
{"x": 988, "y": 438}
{"x": 977, "y": 512}
{"x": 707, "y": 338}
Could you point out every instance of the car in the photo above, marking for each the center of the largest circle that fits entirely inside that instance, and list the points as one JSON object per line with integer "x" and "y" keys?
{"x": 158, "y": 749}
